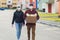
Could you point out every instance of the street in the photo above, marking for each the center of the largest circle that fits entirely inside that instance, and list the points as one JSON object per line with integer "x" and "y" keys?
{"x": 43, "y": 32}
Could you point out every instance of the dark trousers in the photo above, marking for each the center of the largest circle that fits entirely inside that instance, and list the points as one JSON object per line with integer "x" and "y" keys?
{"x": 29, "y": 26}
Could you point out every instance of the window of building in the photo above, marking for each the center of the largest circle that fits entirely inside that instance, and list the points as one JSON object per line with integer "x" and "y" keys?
{"x": 3, "y": 3}
{"x": 9, "y": 1}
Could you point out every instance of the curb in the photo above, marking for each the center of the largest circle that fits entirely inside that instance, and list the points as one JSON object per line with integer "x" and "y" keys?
{"x": 50, "y": 23}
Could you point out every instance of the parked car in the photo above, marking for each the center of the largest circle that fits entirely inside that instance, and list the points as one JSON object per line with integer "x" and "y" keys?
{"x": 2, "y": 8}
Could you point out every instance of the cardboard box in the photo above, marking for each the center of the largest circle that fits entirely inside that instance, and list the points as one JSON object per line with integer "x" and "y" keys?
{"x": 31, "y": 18}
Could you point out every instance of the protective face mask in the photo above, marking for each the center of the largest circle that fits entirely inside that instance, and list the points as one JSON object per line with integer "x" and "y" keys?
{"x": 18, "y": 9}
{"x": 31, "y": 7}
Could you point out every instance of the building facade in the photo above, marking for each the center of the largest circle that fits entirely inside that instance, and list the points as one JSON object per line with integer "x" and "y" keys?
{"x": 3, "y": 3}
{"x": 49, "y": 6}
{"x": 14, "y": 3}
{"x": 8, "y": 3}
{"x": 58, "y": 4}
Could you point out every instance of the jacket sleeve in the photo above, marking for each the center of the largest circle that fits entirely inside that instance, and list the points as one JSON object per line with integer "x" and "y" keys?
{"x": 13, "y": 19}
{"x": 23, "y": 18}
{"x": 25, "y": 14}
{"x": 37, "y": 15}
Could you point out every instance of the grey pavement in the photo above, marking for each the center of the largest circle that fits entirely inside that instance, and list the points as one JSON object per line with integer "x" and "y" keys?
{"x": 50, "y": 23}
{"x": 43, "y": 31}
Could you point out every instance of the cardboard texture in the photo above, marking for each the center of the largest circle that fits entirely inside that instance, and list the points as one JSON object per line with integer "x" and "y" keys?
{"x": 31, "y": 18}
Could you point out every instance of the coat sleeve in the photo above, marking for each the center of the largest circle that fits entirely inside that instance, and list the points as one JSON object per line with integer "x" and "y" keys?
{"x": 13, "y": 19}
{"x": 25, "y": 14}
{"x": 23, "y": 18}
{"x": 37, "y": 15}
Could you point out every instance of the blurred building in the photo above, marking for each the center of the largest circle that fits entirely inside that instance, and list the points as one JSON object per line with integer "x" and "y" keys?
{"x": 27, "y": 2}
{"x": 48, "y": 6}
{"x": 14, "y": 3}
{"x": 11, "y": 3}
{"x": 3, "y": 3}
{"x": 8, "y": 3}
{"x": 58, "y": 4}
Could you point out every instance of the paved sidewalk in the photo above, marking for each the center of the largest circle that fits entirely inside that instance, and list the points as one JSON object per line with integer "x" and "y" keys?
{"x": 50, "y": 23}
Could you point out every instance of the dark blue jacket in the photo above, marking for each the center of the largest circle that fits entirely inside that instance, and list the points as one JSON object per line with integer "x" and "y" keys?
{"x": 18, "y": 17}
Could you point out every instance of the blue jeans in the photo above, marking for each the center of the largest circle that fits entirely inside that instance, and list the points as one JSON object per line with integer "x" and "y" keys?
{"x": 18, "y": 29}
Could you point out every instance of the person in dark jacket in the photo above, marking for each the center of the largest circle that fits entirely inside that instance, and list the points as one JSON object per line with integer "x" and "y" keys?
{"x": 31, "y": 10}
{"x": 19, "y": 21}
